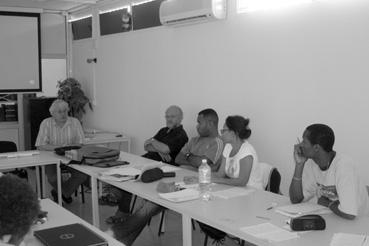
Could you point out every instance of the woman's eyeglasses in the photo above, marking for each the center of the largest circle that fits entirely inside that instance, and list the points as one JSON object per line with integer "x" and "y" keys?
{"x": 224, "y": 130}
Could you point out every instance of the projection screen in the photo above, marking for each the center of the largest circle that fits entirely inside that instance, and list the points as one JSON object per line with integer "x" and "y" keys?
{"x": 20, "y": 52}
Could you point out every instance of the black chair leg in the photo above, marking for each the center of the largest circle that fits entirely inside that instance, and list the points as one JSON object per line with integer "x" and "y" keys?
{"x": 206, "y": 240}
{"x": 161, "y": 223}
{"x": 133, "y": 203}
{"x": 82, "y": 193}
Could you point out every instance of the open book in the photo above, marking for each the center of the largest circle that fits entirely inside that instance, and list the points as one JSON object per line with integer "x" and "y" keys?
{"x": 296, "y": 210}
{"x": 181, "y": 195}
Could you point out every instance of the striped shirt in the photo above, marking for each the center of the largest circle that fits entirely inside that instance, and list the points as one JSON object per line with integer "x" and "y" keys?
{"x": 211, "y": 147}
{"x": 50, "y": 133}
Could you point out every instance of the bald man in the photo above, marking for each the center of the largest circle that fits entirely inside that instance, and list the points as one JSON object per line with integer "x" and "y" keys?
{"x": 164, "y": 146}
{"x": 169, "y": 140}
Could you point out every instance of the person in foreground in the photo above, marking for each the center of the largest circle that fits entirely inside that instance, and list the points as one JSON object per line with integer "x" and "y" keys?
{"x": 57, "y": 131}
{"x": 164, "y": 146}
{"x": 208, "y": 146}
{"x": 19, "y": 208}
{"x": 239, "y": 162}
{"x": 329, "y": 176}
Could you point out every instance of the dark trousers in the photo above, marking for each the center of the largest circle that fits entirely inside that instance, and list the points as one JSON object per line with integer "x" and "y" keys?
{"x": 70, "y": 185}
{"x": 128, "y": 231}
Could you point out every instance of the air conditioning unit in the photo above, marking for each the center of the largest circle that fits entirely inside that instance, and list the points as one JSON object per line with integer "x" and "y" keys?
{"x": 182, "y": 12}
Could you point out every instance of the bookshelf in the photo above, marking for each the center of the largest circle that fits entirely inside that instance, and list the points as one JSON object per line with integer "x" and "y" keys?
{"x": 12, "y": 119}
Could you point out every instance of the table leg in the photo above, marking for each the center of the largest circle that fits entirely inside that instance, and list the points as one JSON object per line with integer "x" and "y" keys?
{"x": 95, "y": 203}
{"x": 38, "y": 186}
{"x": 58, "y": 175}
{"x": 187, "y": 230}
{"x": 43, "y": 180}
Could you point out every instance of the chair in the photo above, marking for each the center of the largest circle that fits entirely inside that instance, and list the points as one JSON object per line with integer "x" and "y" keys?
{"x": 271, "y": 179}
{"x": 7, "y": 146}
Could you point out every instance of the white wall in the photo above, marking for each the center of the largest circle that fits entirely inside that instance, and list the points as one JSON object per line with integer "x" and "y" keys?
{"x": 283, "y": 69}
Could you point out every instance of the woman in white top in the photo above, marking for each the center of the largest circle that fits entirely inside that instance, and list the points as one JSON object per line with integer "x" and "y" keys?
{"x": 239, "y": 162}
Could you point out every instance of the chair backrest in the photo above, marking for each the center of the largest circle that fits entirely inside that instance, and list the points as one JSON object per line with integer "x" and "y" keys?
{"x": 7, "y": 146}
{"x": 271, "y": 177}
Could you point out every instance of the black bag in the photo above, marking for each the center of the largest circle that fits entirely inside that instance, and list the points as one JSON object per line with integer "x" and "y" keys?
{"x": 218, "y": 236}
{"x": 97, "y": 155}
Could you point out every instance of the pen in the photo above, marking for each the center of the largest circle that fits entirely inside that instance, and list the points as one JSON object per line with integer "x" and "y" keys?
{"x": 272, "y": 206}
{"x": 262, "y": 217}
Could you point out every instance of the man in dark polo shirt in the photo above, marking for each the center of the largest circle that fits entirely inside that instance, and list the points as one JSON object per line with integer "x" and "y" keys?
{"x": 164, "y": 146}
{"x": 169, "y": 140}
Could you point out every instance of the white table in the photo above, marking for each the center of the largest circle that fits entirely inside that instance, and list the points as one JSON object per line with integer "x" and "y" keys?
{"x": 58, "y": 216}
{"x": 41, "y": 159}
{"x": 108, "y": 139}
{"x": 228, "y": 215}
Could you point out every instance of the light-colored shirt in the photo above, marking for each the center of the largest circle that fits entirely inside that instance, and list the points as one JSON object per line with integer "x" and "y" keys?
{"x": 69, "y": 134}
{"x": 232, "y": 164}
{"x": 340, "y": 182}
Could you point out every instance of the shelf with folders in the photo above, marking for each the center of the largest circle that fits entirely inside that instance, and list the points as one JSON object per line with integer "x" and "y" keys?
{"x": 11, "y": 119}
{"x": 8, "y": 108}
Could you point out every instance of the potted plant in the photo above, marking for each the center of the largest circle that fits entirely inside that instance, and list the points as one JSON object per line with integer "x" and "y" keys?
{"x": 71, "y": 92}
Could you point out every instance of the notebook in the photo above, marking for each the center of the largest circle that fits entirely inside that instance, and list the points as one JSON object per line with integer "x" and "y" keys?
{"x": 71, "y": 235}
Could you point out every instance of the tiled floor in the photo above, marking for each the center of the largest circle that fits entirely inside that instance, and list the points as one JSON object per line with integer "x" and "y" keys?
{"x": 148, "y": 237}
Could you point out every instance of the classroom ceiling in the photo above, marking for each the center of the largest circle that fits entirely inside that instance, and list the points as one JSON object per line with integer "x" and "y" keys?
{"x": 51, "y": 5}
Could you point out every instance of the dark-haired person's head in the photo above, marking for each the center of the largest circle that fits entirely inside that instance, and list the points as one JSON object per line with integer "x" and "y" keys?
{"x": 19, "y": 207}
{"x": 207, "y": 122}
{"x": 235, "y": 127}
{"x": 320, "y": 134}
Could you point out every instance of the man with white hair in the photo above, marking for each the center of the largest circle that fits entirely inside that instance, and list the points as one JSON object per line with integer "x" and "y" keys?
{"x": 57, "y": 131}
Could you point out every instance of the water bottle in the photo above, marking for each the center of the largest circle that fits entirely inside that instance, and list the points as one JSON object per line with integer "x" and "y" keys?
{"x": 204, "y": 180}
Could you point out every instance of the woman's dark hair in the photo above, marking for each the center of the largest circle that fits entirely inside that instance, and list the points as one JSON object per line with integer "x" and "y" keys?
{"x": 19, "y": 206}
{"x": 239, "y": 125}
{"x": 321, "y": 134}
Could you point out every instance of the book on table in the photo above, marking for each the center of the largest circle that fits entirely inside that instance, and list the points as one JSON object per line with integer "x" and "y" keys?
{"x": 71, "y": 235}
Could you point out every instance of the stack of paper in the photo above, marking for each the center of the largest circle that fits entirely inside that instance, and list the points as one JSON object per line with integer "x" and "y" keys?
{"x": 232, "y": 192}
{"x": 344, "y": 239}
{"x": 120, "y": 174}
{"x": 296, "y": 210}
{"x": 269, "y": 232}
{"x": 181, "y": 196}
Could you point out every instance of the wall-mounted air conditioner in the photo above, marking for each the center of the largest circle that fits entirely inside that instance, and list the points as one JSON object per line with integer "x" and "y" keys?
{"x": 180, "y": 12}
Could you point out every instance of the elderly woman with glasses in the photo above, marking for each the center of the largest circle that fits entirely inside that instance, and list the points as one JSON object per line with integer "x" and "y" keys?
{"x": 239, "y": 161}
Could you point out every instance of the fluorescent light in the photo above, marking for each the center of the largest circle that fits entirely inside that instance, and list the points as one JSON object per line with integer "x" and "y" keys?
{"x": 128, "y": 7}
{"x": 255, "y": 5}
{"x": 142, "y": 2}
{"x": 80, "y": 18}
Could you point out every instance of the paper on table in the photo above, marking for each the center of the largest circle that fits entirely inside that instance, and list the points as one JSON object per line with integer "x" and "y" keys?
{"x": 232, "y": 192}
{"x": 181, "y": 196}
{"x": 269, "y": 232}
{"x": 120, "y": 174}
{"x": 296, "y": 210}
{"x": 169, "y": 168}
{"x": 344, "y": 239}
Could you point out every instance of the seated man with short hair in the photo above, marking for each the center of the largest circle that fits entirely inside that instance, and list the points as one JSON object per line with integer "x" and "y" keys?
{"x": 57, "y": 131}
{"x": 208, "y": 146}
{"x": 19, "y": 207}
{"x": 329, "y": 176}
{"x": 164, "y": 146}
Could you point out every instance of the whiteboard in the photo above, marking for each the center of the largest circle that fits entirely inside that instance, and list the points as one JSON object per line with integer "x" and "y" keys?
{"x": 20, "y": 64}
